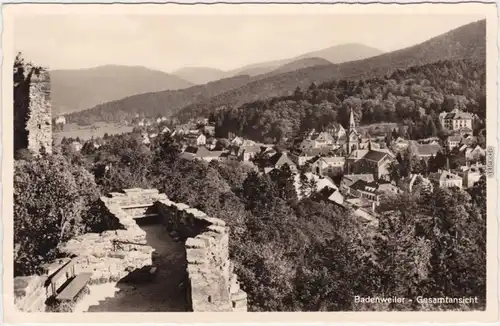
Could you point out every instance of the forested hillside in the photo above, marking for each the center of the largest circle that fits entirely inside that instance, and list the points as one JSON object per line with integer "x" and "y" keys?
{"x": 464, "y": 42}
{"x": 155, "y": 104}
{"x": 468, "y": 41}
{"x": 76, "y": 90}
{"x": 414, "y": 96}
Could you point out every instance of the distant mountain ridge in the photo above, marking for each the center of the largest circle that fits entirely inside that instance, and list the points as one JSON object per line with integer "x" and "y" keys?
{"x": 200, "y": 75}
{"x": 334, "y": 54}
{"x": 76, "y": 90}
{"x": 468, "y": 41}
{"x": 155, "y": 103}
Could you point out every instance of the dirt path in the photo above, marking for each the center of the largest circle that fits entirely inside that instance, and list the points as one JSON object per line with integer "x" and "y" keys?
{"x": 164, "y": 294}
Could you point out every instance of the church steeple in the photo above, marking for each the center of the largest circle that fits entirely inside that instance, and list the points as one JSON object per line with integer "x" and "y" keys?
{"x": 352, "y": 135}
{"x": 352, "y": 123}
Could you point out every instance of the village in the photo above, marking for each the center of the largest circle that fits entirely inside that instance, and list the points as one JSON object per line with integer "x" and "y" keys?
{"x": 345, "y": 166}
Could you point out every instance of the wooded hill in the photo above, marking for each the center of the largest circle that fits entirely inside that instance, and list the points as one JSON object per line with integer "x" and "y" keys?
{"x": 414, "y": 96}
{"x": 468, "y": 41}
{"x": 77, "y": 90}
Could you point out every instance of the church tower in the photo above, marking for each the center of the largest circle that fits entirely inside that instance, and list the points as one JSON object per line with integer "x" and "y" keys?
{"x": 352, "y": 135}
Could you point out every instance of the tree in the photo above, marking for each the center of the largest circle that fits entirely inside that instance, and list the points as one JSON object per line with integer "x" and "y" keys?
{"x": 304, "y": 185}
{"x": 51, "y": 200}
{"x": 313, "y": 185}
{"x": 284, "y": 183}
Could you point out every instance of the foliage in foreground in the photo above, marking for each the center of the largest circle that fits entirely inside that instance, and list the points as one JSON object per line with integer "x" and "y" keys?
{"x": 51, "y": 200}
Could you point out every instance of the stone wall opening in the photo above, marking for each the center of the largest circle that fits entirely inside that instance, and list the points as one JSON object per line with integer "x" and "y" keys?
{"x": 162, "y": 256}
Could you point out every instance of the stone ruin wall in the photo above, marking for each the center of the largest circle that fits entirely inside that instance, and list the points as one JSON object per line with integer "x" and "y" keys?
{"x": 33, "y": 113}
{"x": 212, "y": 284}
{"x": 39, "y": 124}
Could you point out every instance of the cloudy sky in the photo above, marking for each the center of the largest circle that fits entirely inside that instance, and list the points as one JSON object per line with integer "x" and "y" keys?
{"x": 167, "y": 43}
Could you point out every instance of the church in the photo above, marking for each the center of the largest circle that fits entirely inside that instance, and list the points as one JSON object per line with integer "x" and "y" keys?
{"x": 364, "y": 156}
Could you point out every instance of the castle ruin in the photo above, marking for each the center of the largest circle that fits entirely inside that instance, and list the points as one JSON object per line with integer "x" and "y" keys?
{"x": 204, "y": 265}
{"x": 32, "y": 109}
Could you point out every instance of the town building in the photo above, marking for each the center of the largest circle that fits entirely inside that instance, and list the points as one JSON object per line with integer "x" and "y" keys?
{"x": 350, "y": 179}
{"x": 196, "y": 139}
{"x": 369, "y": 161}
{"x": 365, "y": 190}
{"x": 446, "y": 179}
{"x": 400, "y": 144}
{"x": 237, "y": 141}
{"x": 389, "y": 189}
{"x": 471, "y": 174}
{"x": 456, "y": 120}
{"x": 353, "y": 137}
{"x": 279, "y": 159}
{"x": 418, "y": 181}
{"x": 474, "y": 154}
{"x": 211, "y": 143}
{"x": 77, "y": 146}
{"x": 209, "y": 130}
{"x": 301, "y": 157}
{"x": 201, "y": 153}
{"x": 453, "y": 141}
{"x": 60, "y": 120}
{"x": 246, "y": 153}
{"x": 321, "y": 183}
{"x": 424, "y": 151}
{"x": 464, "y": 131}
{"x": 327, "y": 165}
{"x": 317, "y": 140}
{"x": 331, "y": 194}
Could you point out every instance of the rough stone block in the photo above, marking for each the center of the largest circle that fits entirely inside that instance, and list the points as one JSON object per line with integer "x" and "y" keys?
{"x": 195, "y": 243}
{"x": 240, "y": 304}
{"x": 167, "y": 202}
{"x": 217, "y": 229}
{"x": 196, "y": 213}
{"x": 241, "y": 295}
{"x": 181, "y": 206}
{"x": 240, "y": 309}
{"x": 209, "y": 241}
{"x": 24, "y": 285}
{"x": 215, "y": 221}
{"x": 196, "y": 256}
{"x": 132, "y": 191}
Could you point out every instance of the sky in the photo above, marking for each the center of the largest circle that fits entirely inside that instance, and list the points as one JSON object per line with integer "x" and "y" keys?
{"x": 168, "y": 42}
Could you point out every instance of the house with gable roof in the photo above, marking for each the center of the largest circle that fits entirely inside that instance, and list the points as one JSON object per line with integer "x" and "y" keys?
{"x": 456, "y": 120}
{"x": 301, "y": 157}
{"x": 424, "y": 151}
{"x": 446, "y": 179}
{"x": 327, "y": 165}
{"x": 375, "y": 162}
{"x": 246, "y": 153}
{"x": 474, "y": 153}
{"x": 279, "y": 159}
{"x": 471, "y": 174}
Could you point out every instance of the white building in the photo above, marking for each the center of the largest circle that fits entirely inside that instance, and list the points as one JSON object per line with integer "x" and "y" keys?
{"x": 61, "y": 120}
{"x": 456, "y": 120}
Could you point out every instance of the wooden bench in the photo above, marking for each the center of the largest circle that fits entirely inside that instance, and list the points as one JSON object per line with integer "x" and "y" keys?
{"x": 62, "y": 275}
{"x": 74, "y": 287}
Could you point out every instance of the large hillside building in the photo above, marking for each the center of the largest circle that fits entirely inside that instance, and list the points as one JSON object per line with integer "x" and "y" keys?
{"x": 456, "y": 120}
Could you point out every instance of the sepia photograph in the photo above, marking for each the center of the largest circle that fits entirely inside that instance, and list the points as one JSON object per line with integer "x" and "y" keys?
{"x": 203, "y": 159}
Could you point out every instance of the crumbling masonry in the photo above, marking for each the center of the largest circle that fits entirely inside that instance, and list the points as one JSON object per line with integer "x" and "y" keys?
{"x": 212, "y": 285}
{"x": 32, "y": 110}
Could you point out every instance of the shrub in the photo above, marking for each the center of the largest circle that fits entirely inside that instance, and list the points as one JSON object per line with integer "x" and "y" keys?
{"x": 51, "y": 201}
